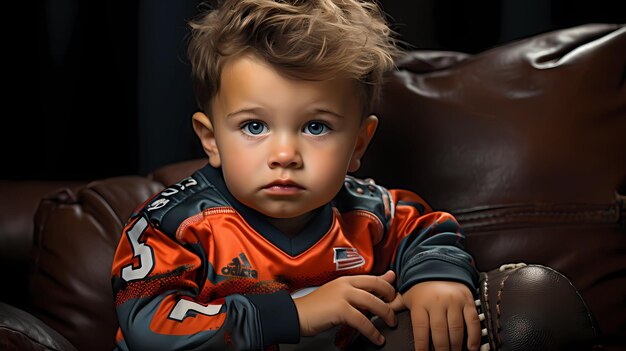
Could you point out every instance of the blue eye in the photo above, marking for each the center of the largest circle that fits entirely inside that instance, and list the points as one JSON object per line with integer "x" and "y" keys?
{"x": 316, "y": 128}
{"x": 254, "y": 128}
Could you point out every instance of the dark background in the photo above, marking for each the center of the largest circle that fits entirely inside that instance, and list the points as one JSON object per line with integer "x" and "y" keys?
{"x": 100, "y": 88}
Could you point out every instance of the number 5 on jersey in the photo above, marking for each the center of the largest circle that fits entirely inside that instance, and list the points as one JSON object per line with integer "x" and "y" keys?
{"x": 141, "y": 250}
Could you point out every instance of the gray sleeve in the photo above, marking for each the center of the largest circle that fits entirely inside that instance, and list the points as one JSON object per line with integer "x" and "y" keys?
{"x": 253, "y": 322}
{"x": 434, "y": 253}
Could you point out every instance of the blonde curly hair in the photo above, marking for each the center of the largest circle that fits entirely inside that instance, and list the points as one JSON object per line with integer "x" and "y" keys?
{"x": 304, "y": 39}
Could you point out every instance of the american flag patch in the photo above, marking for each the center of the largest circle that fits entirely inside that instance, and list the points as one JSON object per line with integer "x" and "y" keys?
{"x": 347, "y": 258}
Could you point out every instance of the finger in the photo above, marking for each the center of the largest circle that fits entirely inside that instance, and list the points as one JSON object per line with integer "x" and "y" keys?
{"x": 439, "y": 330}
{"x": 358, "y": 321}
{"x": 375, "y": 285}
{"x": 456, "y": 326}
{"x": 473, "y": 326}
{"x": 420, "y": 324}
{"x": 397, "y": 304}
{"x": 389, "y": 276}
{"x": 363, "y": 300}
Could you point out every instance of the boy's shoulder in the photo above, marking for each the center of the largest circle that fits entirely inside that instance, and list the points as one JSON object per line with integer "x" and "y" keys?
{"x": 169, "y": 208}
{"x": 365, "y": 195}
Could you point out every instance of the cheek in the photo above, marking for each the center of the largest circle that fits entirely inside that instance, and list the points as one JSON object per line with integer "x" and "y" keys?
{"x": 237, "y": 171}
{"x": 337, "y": 150}
{"x": 330, "y": 162}
{"x": 239, "y": 162}
{"x": 329, "y": 176}
{"x": 233, "y": 149}
{"x": 237, "y": 159}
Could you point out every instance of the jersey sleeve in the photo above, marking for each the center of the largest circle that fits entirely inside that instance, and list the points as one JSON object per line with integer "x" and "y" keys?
{"x": 425, "y": 244}
{"x": 157, "y": 285}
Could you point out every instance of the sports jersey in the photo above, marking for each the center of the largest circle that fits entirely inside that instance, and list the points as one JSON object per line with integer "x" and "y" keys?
{"x": 195, "y": 269}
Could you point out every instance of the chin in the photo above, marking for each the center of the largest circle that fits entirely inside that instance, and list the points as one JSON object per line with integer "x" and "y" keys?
{"x": 284, "y": 211}
{"x": 283, "y": 214}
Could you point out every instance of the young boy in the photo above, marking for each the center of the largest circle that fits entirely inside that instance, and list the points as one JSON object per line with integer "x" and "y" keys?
{"x": 272, "y": 245}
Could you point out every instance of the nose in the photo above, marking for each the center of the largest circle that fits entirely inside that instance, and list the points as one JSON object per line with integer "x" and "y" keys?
{"x": 285, "y": 153}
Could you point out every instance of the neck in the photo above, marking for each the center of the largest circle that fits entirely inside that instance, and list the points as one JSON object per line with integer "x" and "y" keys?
{"x": 292, "y": 226}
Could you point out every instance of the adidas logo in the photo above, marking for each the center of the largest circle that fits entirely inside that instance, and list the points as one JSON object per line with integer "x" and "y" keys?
{"x": 240, "y": 267}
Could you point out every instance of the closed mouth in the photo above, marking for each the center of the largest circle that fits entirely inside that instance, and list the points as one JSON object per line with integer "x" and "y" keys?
{"x": 283, "y": 183}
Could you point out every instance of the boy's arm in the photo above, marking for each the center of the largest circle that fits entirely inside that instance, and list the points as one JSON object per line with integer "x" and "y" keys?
{"x": 422, "y": 244}
{"x": 436, "y": 276}
{"x": 157, "y": 284}
{"x": 415, "y": 242}
{"x": 431, "y": 247}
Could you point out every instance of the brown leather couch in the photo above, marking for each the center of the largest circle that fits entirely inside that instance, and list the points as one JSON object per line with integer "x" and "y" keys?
{"x": 525, "y": 143}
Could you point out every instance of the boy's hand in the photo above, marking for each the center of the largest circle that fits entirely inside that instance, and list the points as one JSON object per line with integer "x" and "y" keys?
{"x": 344, "y": 301}
{"x": 441, "y": 309}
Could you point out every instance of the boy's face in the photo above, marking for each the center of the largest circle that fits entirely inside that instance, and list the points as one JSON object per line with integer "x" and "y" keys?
{"x": 284, "y": 145}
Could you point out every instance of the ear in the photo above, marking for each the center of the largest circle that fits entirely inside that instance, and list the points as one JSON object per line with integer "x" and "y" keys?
{"x": 366, "y": 132}
{"x": 204, "y": 130}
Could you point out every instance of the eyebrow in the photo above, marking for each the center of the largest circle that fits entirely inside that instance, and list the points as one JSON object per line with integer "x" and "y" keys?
{"x": 253, "y": 110}
{"x": 257, "y": 111}
{"x": 323, "y": 111}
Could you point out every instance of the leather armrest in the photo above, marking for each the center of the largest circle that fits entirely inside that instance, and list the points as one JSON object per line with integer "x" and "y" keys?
{"x": 19, "y": 330}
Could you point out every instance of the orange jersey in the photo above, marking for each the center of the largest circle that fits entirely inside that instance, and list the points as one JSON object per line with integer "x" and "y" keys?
{"x": 196, "y": 269}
